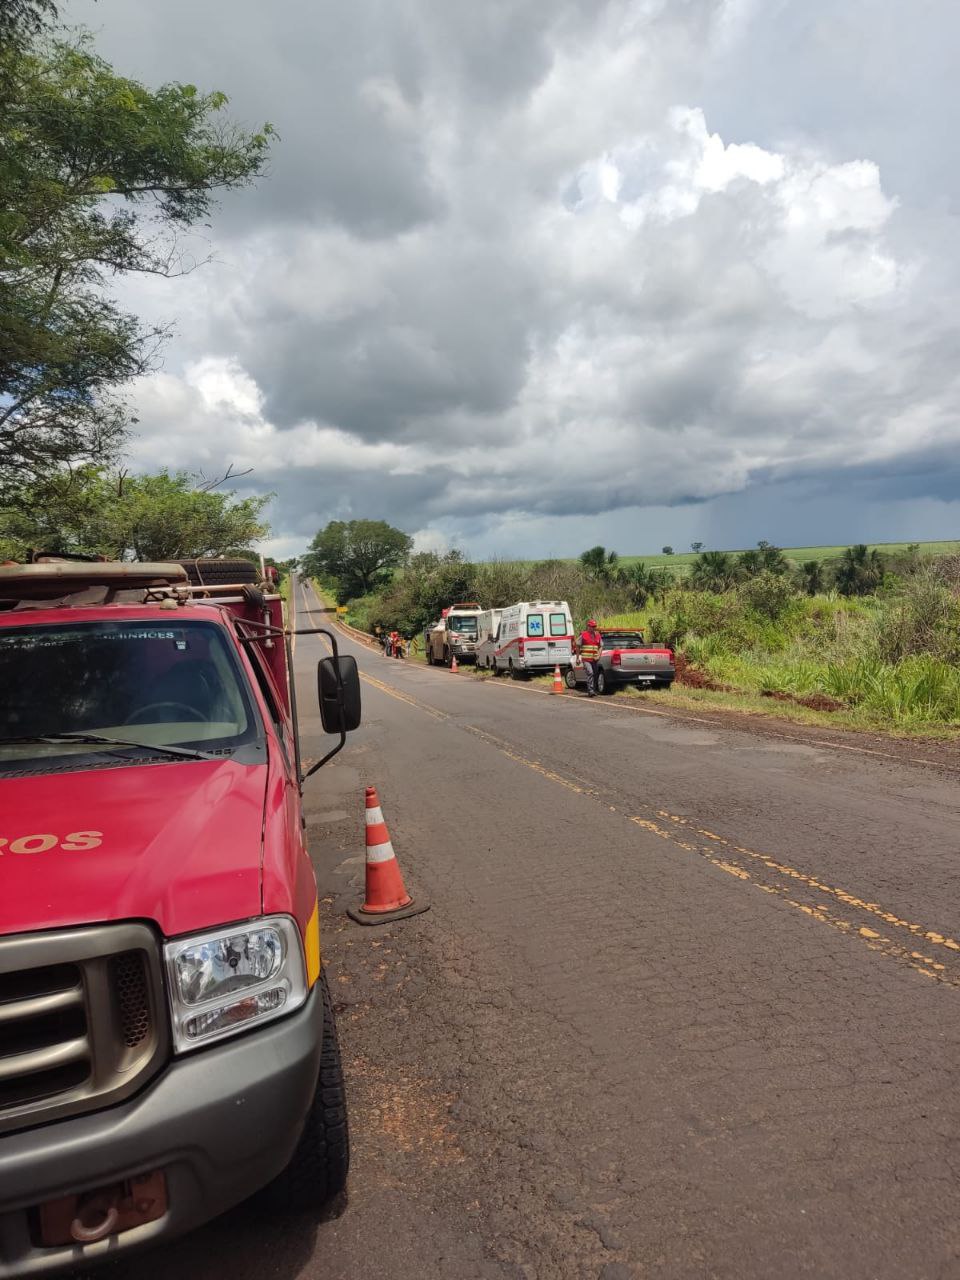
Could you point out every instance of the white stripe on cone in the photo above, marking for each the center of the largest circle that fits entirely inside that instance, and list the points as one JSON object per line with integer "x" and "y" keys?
{"x": 380, "y": 852}
{"x": 374, "y": 815}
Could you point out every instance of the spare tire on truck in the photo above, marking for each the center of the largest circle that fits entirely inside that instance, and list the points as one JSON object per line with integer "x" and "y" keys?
{"x": 215, "y": 573}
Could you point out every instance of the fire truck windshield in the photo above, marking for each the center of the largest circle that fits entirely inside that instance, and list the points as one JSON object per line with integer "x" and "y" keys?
{"x": 464, "y": 626}
{"x": 147, "y": 684}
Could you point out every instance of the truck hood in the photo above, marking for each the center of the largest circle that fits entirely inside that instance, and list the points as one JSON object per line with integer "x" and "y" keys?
{"x": 178, "y": 844}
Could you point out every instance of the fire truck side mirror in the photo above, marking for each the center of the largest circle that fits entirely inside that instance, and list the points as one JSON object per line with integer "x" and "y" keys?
{"x": 338, "y": 689}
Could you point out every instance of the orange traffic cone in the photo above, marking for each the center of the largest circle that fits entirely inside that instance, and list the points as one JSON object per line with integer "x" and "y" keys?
{"x": 386, "y": 897}
{"x": 453, "y": 664}
{"x": 557, "y": 680}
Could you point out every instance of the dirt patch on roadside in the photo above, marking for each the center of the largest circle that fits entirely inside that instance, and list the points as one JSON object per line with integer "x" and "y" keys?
{"x": 694, "y": 678}
{"x": 815, "y": 701}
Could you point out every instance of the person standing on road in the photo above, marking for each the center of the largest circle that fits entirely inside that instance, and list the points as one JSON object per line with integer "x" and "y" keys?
{"x": 589, "y": 647}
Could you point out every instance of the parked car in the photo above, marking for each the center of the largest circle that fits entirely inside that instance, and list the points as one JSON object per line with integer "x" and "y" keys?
{"x": 625, "y": 658}
{"x": 534, "y": 637}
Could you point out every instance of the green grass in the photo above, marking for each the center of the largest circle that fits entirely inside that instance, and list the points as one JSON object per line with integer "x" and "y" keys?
{"x": 683, "y": 560}
{"x": 822, "y": 648}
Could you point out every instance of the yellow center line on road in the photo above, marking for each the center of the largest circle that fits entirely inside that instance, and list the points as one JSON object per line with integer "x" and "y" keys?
{"x": 816, "y": 910}
{"x": 403, "y": 697}
{"x": 812, "y": 882}
{"x": 780, "y": 879}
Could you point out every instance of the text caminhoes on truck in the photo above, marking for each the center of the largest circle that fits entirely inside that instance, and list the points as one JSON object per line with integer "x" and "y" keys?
{"x": 167, "y": 1041}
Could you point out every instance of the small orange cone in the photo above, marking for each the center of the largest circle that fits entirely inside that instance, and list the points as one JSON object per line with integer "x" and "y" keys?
{"x": 386, "y": 897}
{"x": 557, "y": 680}
{"x": 453, "y": 665}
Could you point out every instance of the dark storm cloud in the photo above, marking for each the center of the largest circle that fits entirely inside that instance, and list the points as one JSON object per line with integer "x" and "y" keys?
{"x": 445, "y": 328}
{"x": 505, "y": 269}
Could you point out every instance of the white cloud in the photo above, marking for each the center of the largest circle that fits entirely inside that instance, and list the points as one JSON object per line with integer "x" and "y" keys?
{"x": 509, "y": 271}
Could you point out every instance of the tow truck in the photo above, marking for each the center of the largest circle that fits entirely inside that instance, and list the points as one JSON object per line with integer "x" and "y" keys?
{"x": 454, "y": 636}
{"x": 167, "y": 1040}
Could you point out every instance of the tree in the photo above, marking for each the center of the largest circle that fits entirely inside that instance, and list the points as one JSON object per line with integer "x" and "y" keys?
{"x": 667, "y": 551}
{"x": 359, "y": 554}
{"x": 766, "y": 559}
{"x": 599, "y": 564}
{"x": 859, "y": 571}
{"x": 811, "y": 576}
{"x": 20, "y": 19}
{"x": 98, "y": 175}
{"x": 416, "y": 597}
{"x": 769, "y": 594}
{"x": 642, "y": 583}
{"x": 150, "y": 517}
{"x": 696, "y": 547}
{"x": 714, "y": 571}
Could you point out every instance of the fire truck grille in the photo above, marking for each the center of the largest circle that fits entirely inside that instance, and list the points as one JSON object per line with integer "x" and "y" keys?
{"x": 81, "y": 1020}
{"x": 43, "y": 1034}
{"x": 129, "y": 984}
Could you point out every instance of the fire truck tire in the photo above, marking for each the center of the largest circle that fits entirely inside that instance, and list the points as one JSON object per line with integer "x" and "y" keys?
{"x": 603, "y": 685}
{"x": 213, "y": 573}
{"x": 318, "y": 1170}
{"x": 570, "y": 678}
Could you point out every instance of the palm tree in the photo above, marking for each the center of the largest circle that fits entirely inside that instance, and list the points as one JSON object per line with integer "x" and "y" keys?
{"x": 642, "y": 583}
{"x": 859, "y": 571}
{"x": 811, "y": 576}
{"x": 714, "y": 571}
{"x": 599, "y": 564}
{"x": 766, "y": 559}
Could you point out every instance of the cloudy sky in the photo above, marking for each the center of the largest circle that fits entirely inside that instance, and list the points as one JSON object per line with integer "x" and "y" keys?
{"x": 529, "y": 275}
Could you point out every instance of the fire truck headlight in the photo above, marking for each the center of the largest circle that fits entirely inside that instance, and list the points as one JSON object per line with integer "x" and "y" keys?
{"x": 224, "y": 981}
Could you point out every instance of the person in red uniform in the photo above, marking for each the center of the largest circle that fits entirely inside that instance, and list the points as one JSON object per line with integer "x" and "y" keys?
{"x": 589, "y": 647}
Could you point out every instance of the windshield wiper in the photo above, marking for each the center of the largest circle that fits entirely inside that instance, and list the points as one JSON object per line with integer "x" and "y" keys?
{"x": 57, "y": 739}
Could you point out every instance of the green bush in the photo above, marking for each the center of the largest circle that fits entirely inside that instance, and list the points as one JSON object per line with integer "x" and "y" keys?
{"x": 769, "y": 594}
{"x": 923, "y": 616}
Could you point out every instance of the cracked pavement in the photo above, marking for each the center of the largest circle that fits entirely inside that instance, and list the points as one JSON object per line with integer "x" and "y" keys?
{"x": 684, "y": 1005}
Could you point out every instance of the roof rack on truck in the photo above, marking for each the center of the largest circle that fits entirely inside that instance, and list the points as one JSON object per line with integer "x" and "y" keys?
{"x": 85, "y": 582}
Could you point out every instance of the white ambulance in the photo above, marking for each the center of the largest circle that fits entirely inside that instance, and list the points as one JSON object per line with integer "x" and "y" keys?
{"x": 534, "y": 637}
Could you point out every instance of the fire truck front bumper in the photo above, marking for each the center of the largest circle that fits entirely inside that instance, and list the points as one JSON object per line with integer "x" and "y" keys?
{"x": 212, "y": 1129}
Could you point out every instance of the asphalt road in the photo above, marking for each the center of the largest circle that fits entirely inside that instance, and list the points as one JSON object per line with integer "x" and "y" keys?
{"x": 685, "y": 1003}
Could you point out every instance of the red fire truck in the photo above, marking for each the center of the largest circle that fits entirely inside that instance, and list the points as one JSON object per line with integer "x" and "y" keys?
{"x": 167, "y": 1040}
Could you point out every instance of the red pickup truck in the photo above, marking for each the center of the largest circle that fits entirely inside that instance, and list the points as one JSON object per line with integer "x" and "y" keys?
{"x": 626, "y": 658}
{"x": 167, "y": 1041}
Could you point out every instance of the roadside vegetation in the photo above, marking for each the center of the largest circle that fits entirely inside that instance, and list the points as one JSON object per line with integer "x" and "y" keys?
{"x": 102, "y": 177}
{"x": 862, "y": 638}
